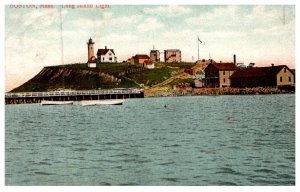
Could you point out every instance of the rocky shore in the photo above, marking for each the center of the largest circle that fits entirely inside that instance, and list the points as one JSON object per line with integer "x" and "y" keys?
{"x": 215, "y": 91}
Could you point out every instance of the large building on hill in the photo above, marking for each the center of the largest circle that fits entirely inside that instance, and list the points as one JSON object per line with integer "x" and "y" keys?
{"x": 218, "y": 74}
{"x": 172, "y": 56}
{"x": 272, "y": 76}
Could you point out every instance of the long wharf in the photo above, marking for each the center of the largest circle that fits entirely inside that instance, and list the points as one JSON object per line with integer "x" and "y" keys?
{"x": 37, "y": 97}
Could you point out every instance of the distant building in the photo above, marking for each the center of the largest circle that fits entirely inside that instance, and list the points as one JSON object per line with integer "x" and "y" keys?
{"x": 155, "y": 55}
{"x": 149, "y": 64}
{"x": 273, "y": 76}
{"x": 106, "y": 56}
{"x": 139, "y": 59}
{"x": 172, "y": 55}
{"x": 217, "y": 74}
{"x": 91, "y": 55}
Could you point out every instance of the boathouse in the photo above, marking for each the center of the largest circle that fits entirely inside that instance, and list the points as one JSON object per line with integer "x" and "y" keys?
{"x": 272, "y": 76}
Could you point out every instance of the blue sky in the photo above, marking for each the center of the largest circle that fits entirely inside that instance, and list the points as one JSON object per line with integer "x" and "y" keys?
{"x": 260, "y": 34}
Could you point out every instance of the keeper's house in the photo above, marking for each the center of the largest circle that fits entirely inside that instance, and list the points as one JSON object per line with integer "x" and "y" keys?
{"x": 106, "y": 56}
{"x": 273, "y": 76}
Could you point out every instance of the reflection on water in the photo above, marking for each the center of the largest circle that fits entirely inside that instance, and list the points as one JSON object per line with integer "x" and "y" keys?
{"x": 205, "y": 140}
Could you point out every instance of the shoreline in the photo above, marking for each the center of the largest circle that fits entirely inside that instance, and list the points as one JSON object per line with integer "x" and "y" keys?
{"x": 215, "y": 91}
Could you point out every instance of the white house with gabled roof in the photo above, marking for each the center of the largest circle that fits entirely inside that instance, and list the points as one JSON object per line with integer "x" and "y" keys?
{"x": 106, "y": 56}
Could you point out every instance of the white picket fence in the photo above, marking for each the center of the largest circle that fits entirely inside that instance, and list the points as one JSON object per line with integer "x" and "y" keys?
{"x": 73, "y": 93}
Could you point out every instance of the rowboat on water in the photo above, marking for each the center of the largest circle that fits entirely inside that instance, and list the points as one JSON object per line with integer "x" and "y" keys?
{"x": 45, "y": 102}
{"x": 102, "y": 102}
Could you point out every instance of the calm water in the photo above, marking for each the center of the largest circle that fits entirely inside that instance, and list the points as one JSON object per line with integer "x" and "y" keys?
{"x": 205, "y": 140}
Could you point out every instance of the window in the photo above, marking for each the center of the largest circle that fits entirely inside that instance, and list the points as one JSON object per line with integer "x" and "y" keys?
{"x": 224, "y": 80}
{"x": 290, "y": 79}
{"x": 280, "y": 79}
{"x": 223, "y": 72}
{"x": 109, "y": 54}
{"x": 284, "y": 70}
{"x": 110, "y": 58}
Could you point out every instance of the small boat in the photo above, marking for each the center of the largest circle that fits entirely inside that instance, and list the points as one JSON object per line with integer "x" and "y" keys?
{"x": 45, "y": 102}
{"x": 102, "y": 102}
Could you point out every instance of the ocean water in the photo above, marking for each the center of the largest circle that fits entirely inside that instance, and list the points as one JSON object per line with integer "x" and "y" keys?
{"x": 199, "y": 140}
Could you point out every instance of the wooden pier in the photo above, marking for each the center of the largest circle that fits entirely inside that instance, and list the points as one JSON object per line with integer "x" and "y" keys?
{"x": 37, "y": 97}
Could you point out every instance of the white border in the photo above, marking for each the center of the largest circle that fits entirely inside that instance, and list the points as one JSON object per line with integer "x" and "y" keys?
{"x": 144, "y": 189}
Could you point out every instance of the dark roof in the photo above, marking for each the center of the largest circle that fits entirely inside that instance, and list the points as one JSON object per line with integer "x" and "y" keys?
{"x": 142, "y": 56}
{"x": 104, "y": 51}
{"x": 293, "y": 70}
{"x": 172, "y": 50}
{"x": 258, "y": 71}
{"x": 225, "y": 66}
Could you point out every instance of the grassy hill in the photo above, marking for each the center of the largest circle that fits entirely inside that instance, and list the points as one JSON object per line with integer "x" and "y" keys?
{"x": 79, "y": 77}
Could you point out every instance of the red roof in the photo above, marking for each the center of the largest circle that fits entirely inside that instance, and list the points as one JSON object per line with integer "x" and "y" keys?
{"x": 142, "y": 57}
{"x": 92, "y": 60}
{"x": 104, "y": 51}
{"x": 258, "y": 71}
{"x": 225, "y": 66}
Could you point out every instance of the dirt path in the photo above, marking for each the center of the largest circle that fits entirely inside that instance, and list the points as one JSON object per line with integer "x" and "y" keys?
{"x": 181, "y": 75}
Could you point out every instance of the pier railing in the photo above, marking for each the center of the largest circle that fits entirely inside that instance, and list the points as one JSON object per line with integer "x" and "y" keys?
{"x": 73, "y": 93}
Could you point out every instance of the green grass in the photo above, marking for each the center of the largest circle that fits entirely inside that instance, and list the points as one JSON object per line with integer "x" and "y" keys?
{"x": 180, "y": 64}
{"x": 151, "y": 77}
{"x": 177, "y": 81}
{"x": 110, "y": 68}
{"x": 148, "y": 77}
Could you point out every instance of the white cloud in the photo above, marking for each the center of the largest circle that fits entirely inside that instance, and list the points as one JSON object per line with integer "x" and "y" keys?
{"x": 87, "y": 23}
{"x": 170, "y": 10}
{"x": 221, "y": 16}
{"x": 150, "y": 24}
{"x": 107, "y": 15}
{"x": 124, "y": 21}
{"x": 108, "y": 21}
{"x": 120, "y": 37}
{"x": 38, "y": 20}
{"x": 235, "y": 18}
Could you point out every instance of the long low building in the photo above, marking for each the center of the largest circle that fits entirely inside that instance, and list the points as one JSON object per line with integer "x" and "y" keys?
{"x": 273, "y": 76}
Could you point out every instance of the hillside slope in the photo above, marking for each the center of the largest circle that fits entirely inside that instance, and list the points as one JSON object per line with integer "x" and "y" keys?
{"x": 53, "y": 78}
{"x": 104, "y": 76}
